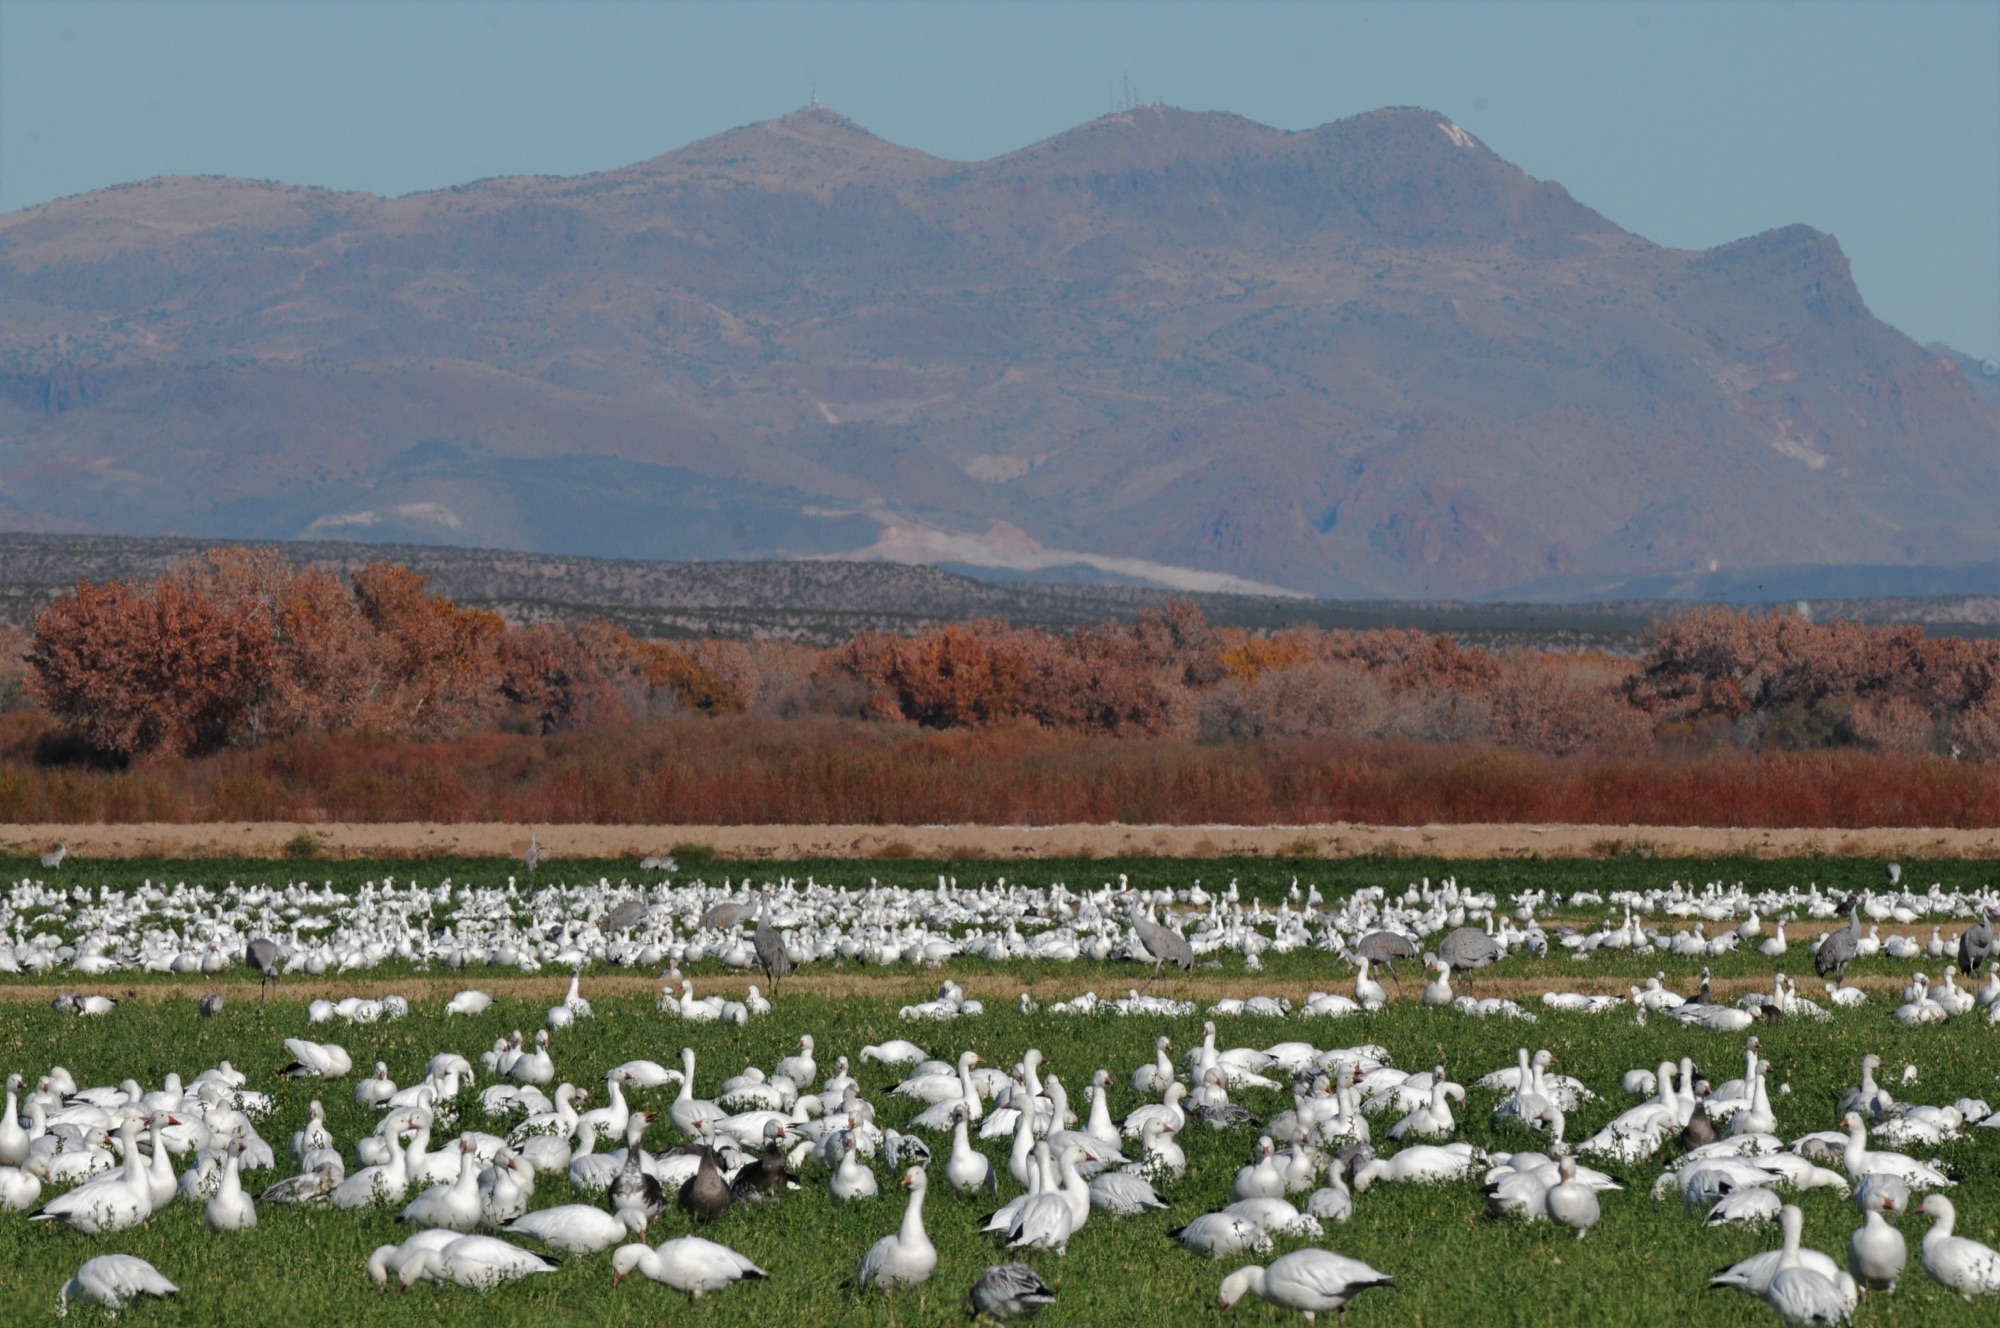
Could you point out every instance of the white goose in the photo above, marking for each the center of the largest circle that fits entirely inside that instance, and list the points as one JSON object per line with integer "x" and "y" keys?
{"x": 454, "y": 1207}
{"x": 1309, "y": 1281}
{"x": 906, "y": 1258}
{"x": 1800, "y": 1293}
{"x": 317, "y": 1060}
{"x": 688, "y": 1264}
{"x": 1966, "y": 1266}
{"x": 579, "y": 1228}
{"x": 229, "y": 1208}
{"x": 478, "y": 1262}
{"x": 1860, "y": 1161}
{"x": 113, "y": 1281}
{"x": 968, "y": 1169}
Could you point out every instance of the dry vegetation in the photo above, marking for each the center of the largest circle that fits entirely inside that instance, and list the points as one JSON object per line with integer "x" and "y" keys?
{"x": 241, "y": 687}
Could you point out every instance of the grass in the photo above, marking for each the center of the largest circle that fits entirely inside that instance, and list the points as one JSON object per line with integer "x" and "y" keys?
{"x": 1646, "y": 1263}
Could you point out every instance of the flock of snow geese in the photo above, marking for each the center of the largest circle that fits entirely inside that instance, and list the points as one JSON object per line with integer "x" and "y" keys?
{"x": 1330, "y": 1123}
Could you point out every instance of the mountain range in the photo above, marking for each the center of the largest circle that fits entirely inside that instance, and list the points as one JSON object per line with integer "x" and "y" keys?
{"x": 1371, "y": 359}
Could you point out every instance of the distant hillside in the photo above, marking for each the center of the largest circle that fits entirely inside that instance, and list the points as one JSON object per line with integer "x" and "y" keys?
{"x": 824, "y": 603}
{"x": 1371, "y": 359}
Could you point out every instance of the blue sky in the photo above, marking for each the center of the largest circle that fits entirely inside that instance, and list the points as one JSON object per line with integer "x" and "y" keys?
{"x": 1689, "y": 123}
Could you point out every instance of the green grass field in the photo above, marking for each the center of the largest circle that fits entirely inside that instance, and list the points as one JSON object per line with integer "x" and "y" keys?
{"x": 1647, "y": 1263}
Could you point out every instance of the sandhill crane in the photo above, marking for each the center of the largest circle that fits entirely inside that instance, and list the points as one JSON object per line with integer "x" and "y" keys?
{"x": 1975, "y": 943}
{"x": 1385, "y": 948}
{"x": 54, "y": 857}
{"x": 534, "y": 853}
{"x": 724, "y": 915}
{"x": 623, "y": 918}
{"x": 1467, "y": 948}
{"x": 1837, "y": 950}
{"x": 770, "y": 946}
{"x": 262, "y": 954}
{"x": 1162, "y": 945}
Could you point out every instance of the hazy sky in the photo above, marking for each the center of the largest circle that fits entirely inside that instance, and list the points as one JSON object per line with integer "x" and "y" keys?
{"x": 1691, "y": 124}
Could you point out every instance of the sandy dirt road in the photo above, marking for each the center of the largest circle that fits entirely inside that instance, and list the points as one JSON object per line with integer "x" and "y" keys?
{"x": 782, "y": 842}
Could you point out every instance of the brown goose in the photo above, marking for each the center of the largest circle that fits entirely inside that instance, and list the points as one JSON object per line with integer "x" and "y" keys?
{"x": 634, "y": 1187}
{"x": 765, "y": 1179}
{"x": 705, "y": 1196}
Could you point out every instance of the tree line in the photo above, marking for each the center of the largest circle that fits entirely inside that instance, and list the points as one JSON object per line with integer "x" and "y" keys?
{"x": 236, "y": 648}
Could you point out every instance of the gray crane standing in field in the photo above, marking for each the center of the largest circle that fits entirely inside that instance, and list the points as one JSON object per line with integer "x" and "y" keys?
{"x": 54, "y": 857}
{"x": 1384, "y": 948}
{"x": 724, "y": 915}
{"x": 623, "y": 918}
{"x": 534, "y": 853}
{"x": 1467, "y": 948}
{"x": 1975, "y": 944}
{"x": 770, "y": 947}
{"x": 1838, "y": 948}
{"x": 263, "y": 955}
{"x": 1162, "y": 944}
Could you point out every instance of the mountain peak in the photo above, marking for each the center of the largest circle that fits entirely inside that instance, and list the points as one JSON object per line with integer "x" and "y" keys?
{"x": 812, "y": 143}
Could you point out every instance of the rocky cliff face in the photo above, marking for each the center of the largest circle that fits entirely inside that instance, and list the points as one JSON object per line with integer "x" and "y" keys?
{"x": 1367, "y": 359}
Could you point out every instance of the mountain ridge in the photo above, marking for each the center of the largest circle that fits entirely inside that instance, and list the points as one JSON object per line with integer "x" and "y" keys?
{"x": 1370, "y": 358}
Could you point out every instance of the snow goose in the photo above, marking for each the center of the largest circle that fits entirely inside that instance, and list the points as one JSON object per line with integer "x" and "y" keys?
{"x": 634, "y": 1185}
{"x": 454, "y": 1207}
{"x": 1868, "y": 1097}
{"x": 113, "y": 1280}
{"x": 1123, "y": 1194}
{"x": 1167, "y": 1111}
{"x": 13, "y": 1137}
{"x": 1009, "y": 1291}
{"x": 317, "y": 1060}
{"x": 1222, "y": 1235}
{"x": 1798, "y": 1292}
{"x": 906, "y": 1258}
{"x": 1420, "y": 1164}
{"x": 386, "y": 1183}
{"x": 1262, "y": 1178}
{"x": 229, "y": 1208}
{"x": 536, "y": 1067}
{"x": 968, "y": 1169}
{"x": 387, "y": 1261}
{"x": 1438, "y": 992}
{"x": 801, "y": 1069}
{"x": 1876, "y": 1252}
{"x": 376, "y": 1089}
{"x": 1045, "y": 1220}
{"x": 1860, "y": 1161}
{"x": 579, "y": 1228}
{"x": 116, "y": 1203}
{"x": 1276, "y": 1216}
{"x": 687, "y": 1263}
{"x": 687, "y": 1108}
{"x": 505, "y": 1188}
{"x": 468, "y": 1003}
{"x": 896, "y": 1051}
{"x": 21, "y": 1187}
{"x": 1434, "y": 1119}
{"x": 1966, "y": 1266}
{"x": 1162, "y": 1157}
{"x": 1309, "y": 1281}
{"x": 852, "y": 1179}
{"x": 1331, "y": 1202}
{"x": 309, "y": 1187}
{"x": 313, "y": 1134}
{"x": 477, "y": 1262}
